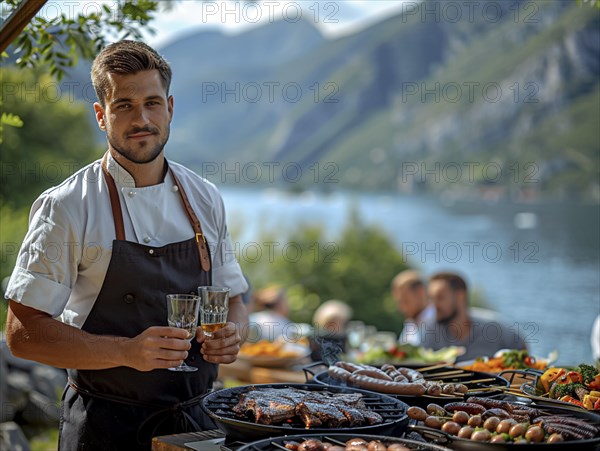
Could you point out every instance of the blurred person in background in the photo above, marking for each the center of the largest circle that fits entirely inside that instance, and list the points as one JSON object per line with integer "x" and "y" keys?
{"x": 455, "y": 326}
{"x": 410, "y": 294}
{"x": 270, "y": 318}
{"x": 595, "y": 339}
{"x": 329, "y": 337}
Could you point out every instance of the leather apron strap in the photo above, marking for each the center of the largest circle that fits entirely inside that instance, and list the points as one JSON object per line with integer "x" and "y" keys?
{"x": 115, "y": 203}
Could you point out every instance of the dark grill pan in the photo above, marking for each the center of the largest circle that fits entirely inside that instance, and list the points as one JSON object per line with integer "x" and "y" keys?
{"x": 462, "y": 444}
{"x": 278, "y": 443}
{"x": 218, "y": 405}
{"x": 463, "y": 376}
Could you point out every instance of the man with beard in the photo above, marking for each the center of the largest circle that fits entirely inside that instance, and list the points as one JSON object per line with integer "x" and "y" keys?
{"x": 103, "y": 250}
{"x": 455, "y": 326}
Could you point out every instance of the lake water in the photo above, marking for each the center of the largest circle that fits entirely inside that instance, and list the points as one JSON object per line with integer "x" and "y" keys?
{"x": 538, "y": 265}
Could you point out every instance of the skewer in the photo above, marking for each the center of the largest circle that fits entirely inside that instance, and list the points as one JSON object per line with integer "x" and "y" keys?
{"x": 490, "y": 388}
{"x": 477, "y": 381}
{"x": 432, "y": 367}
{"x": 449, "y": 373}
{"x": 435, "y": 377}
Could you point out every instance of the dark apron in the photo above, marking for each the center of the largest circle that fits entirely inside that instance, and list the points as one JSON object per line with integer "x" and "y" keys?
{"x": 122, "y": 408}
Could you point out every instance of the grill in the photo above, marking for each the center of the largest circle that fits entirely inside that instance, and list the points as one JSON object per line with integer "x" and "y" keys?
{"x": 276, "y": 444}
{"x": 490, "y": 385}
{"x": 218, "y": 405}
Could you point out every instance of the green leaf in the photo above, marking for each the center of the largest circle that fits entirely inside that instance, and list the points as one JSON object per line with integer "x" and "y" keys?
{"x": 11, "y": 119}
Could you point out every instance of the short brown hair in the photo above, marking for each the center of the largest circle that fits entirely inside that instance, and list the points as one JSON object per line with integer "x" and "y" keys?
{"x": 408, "y": 277}
{"x": 126, "y": 57}
{"x": 454, "y": 281}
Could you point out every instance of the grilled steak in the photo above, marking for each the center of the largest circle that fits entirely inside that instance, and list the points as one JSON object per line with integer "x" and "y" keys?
{"x": 315, "y": 414}
{"x": 313, "y": 408}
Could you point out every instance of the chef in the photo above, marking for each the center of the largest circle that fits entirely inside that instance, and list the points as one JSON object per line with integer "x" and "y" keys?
{"x": 103, "y": 250}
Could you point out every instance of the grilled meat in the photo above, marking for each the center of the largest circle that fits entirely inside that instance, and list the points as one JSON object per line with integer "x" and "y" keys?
{"x": 314, "y": 415}
{"x": 313, "y": 408}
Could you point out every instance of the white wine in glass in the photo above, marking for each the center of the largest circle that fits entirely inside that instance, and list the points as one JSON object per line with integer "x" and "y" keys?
{"x": 183, "y": 313}
{"x": 214, "y": 307}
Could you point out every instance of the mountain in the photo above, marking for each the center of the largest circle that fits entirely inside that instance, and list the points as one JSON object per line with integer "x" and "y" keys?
{"x": 512, "y": 84}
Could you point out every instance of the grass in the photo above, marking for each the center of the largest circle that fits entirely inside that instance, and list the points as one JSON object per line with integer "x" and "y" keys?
{"x": 46, "y": 441}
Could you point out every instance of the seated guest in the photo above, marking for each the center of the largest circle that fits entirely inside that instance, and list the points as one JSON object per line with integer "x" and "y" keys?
{"x": 456, "y": 327}
{"x": 270, "y": 318}
{"x": 408, "y": 290}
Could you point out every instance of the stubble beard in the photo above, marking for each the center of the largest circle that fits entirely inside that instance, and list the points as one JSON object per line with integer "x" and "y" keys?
{"x": 135, "y": 156}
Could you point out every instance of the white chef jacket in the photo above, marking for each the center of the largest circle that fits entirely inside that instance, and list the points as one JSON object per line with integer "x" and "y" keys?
{"x": 65, "y": 255}
{"x": 413, "y": 328}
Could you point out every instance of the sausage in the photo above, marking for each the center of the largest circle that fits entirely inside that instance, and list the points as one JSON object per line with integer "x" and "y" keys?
{"x": 492, "y": 403}
{"x": 391, "y": 387}
{"x": 373, "y": 372}
{"x": 348, "y": 366}
{"x": 391, "y": 371}
{"x": 411, "y": 375}
{"x": 338, "y": 373}
{"x": 469, "y": 407}
{"x": 581, "y": 425}
{"x": 500, "y": 413}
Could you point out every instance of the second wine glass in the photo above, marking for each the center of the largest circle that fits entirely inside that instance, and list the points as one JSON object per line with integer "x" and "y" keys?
{"x": 183, "y": 314}
{"x": 214, "y": 307}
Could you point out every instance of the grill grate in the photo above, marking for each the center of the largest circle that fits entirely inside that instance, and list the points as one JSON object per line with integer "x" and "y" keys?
{"x": 221, "y": 403}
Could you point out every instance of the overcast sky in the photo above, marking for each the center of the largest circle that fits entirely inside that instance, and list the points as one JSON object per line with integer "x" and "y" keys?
{"x": 331, "y": 17}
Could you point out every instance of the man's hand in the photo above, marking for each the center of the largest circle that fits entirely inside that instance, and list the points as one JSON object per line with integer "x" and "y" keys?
{"x": 157, "y": 347}
{"x": 223, "y": 346}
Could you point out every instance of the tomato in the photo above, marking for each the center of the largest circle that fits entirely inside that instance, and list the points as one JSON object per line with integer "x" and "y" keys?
{"x": 571, "y": 400}
{"x": 597, "y": 405}
{"x": 529, "y": 361}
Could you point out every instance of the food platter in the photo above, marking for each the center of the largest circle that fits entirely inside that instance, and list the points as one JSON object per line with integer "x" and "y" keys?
{"x": 282, "y": 355}
{"x": 477, "y": 384}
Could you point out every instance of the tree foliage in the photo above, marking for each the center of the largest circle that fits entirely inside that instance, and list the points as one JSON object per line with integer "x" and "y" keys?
{"x": 55, "y": 140}
{"x": 62, "y": 32}
{"x": 357, "y": 268}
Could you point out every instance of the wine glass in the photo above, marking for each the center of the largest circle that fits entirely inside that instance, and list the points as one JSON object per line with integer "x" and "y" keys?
{"x": 183, "y": 314}
{"x": 214, "y": 307}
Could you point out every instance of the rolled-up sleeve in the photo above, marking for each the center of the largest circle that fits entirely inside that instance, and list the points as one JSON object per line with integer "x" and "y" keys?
{"x": 46, "y": 267}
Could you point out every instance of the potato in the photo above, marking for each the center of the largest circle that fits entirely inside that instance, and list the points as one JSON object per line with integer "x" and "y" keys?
{"x": 416, "y": 413}
{"x": 465, "y": 432}
{"x": 451, "y": 427}
{"x": 535, "y": 434}
{"x": 435, "y": 409}
{"x": 491, "y": 423}
{"x": 475, "y": 421}
{"x": 505, "y": 425}
{"x": 481, "y": 436}
{"x": 433, "y": 422}
{"x": 376, "y": 445}
{"x": 498, "y": 439}
{"x": 517, "y": 430}
{"x": 460, "y": 417}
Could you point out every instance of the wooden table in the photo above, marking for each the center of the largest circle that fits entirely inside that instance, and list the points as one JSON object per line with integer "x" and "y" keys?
{"x": 177, "y": 442}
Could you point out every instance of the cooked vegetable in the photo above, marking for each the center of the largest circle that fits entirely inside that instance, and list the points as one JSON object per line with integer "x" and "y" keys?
{"x": 588, "y": 372}
{"x": 549, "y": 376}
